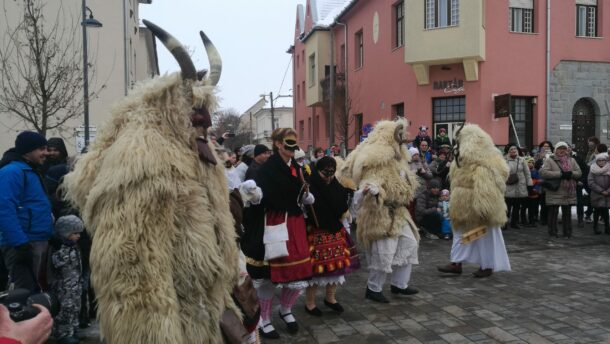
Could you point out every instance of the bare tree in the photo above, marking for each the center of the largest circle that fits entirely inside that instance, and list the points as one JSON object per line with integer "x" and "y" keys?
{"x": 228, "y": 121}
{"x": 41, "y": 73}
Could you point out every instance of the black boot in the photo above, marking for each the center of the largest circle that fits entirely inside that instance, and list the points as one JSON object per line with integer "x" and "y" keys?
{"x": 375, "y": 296}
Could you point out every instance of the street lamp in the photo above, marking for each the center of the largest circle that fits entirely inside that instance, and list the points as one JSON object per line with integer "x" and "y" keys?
{"x": 91, "y": 22}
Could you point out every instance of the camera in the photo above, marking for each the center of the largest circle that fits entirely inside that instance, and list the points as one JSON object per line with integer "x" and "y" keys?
{"x": 19, "y": 303}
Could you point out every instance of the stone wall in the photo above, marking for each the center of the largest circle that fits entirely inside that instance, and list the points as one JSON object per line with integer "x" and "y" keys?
{"x": 571, "y": 81}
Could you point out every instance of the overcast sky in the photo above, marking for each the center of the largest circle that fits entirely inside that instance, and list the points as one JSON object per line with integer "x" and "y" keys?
{"x": 252, "y": 37}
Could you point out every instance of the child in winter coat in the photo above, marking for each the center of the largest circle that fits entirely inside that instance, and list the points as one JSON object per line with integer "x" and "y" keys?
{"x": 599, "y": 184}
{"x": 533, "y": 198}
{"x": 67, "y": 286}
{"x": 443, "y": 205}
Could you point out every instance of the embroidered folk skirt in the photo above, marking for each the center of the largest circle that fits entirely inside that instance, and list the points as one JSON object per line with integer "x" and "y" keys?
{"x": 330, "y": 255}
{"x": 297, "y": 265}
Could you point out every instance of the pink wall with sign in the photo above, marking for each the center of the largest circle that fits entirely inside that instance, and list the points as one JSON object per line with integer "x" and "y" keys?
{"x": 514, "y": 63}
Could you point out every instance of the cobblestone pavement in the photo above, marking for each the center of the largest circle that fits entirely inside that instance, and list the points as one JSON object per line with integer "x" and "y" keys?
{"x": 558, "y": 292}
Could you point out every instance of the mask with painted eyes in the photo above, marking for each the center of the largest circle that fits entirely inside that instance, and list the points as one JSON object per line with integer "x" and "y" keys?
{"x": 290, "y": 143}
{"x": 328, "y": 172}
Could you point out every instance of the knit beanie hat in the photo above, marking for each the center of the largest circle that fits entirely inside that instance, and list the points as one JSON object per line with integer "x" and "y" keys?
{"x": 413, "y": 151}
{"x": 445, "y": 192}
{"x": 260, "y": 149}
{"x": 27, "y": 141}
{"x": 67, "y": 225}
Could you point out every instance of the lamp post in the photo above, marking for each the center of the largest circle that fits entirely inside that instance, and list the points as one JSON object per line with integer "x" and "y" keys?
{"x": 271, "y": 99}
{"x": 91, "y": 22}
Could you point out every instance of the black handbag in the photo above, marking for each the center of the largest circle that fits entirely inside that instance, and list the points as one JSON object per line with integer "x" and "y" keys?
{"x": 513, "y": 178}
{"x": 551, "y": 184}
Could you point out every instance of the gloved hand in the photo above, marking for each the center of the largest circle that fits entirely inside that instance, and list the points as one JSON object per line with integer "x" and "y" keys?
{"x": 372, "y": 189}
{"x": 24, "y": 254}
{"x": 248, "y": 185}
{"x": 308, "y": 199}
{"x": 566, "y": 174}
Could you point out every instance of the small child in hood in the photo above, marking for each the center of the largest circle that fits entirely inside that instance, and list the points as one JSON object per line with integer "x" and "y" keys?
{"x": 67, "y": 284}
{"x": 443, "y": 206}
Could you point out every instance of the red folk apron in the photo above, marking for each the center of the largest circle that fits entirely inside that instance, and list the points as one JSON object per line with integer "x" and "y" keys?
{"x": 297, "y": 265}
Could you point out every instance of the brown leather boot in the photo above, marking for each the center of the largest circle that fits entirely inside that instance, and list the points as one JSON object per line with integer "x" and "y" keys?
{"x": 482, "y": 273}
{"x": 452, "y": 268}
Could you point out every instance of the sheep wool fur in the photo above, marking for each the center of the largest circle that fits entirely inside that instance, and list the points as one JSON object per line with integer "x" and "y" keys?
{"x": 479, "y": 184}
{"x": 164, "y": 257}
{"x": 383, "y": 162}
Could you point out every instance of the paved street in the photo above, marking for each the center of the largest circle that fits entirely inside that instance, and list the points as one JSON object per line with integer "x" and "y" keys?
{"x": 558, "y": 292}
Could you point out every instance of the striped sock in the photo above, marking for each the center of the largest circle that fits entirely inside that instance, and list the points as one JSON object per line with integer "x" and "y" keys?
{"x": 288, "y": 297}
{"x": 265, "y": 310}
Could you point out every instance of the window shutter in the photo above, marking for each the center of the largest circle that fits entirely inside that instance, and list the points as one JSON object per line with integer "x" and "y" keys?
{"x": 522, "y": 3}
{"x": 587, "y": 2}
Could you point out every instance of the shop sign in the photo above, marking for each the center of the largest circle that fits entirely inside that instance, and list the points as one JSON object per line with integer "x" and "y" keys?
{"x": 502, "y": 105}
{"x": 454, "y": 86}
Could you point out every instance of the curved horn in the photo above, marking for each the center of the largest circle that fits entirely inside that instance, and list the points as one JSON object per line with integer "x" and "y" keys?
{"x": 397, "y": 135}
{"x": 213, "y": 57}
{"x": 175, "y": 47}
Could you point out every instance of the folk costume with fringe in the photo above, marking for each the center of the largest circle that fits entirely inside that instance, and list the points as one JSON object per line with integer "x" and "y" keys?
{"x": 327, "y": 237}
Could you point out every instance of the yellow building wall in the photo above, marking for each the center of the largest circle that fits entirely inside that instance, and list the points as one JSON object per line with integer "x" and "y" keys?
{"x": 319, "y": 44}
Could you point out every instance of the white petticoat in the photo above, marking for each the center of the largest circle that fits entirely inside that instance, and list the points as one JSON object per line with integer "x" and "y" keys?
{"x": 327, "y": 280}
{"x": 400, "y": 251}
{"x": 489, "y": 252}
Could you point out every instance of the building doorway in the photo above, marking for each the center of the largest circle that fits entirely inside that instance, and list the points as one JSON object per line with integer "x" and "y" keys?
{"x": 583, "y": 124}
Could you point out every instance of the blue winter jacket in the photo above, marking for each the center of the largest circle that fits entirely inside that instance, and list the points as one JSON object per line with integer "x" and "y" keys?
{"x": 25, "y": 210}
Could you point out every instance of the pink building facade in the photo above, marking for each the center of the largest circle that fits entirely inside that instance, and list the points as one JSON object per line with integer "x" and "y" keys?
{"x": 442, "y": 62}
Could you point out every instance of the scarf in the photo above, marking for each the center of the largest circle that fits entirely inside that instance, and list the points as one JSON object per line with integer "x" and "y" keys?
{"x": 596, "y": 170}
{"x": 566, "y": 165}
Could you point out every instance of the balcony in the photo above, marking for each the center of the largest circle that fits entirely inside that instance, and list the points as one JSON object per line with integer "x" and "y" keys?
{"x": 339, "y": 86}
{"x": 463, "y": 43}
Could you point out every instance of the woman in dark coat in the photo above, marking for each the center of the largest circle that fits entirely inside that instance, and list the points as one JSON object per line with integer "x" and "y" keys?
{"x": 326, "y": 235}
{"x": 281, "y": 181}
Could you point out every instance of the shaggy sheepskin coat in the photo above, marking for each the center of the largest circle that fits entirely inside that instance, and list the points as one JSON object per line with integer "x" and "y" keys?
{"x": 164, "y": 258}
{"x": 381, "y": 161}
{"x": 479, "y": 183}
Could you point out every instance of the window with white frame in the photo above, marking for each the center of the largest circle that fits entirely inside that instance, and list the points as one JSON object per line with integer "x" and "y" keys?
{"x": 521, "y": 15}
{"x": 442, "y": 13}
{"x": 586, "y": 18}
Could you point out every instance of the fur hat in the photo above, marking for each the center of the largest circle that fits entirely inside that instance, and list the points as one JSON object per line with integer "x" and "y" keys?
{"x": 413, "y": 151}
{"x": 601, "y": 156}
{"x": 247, "y": 150}
{"x": 299, "y": 153}
{"x": 561, "y": 144}
{"x": 423, "y": 128}
{"x": 434, "y": 184}
{"x": 67, "y": 225}
{"x": 27, "y": 141}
